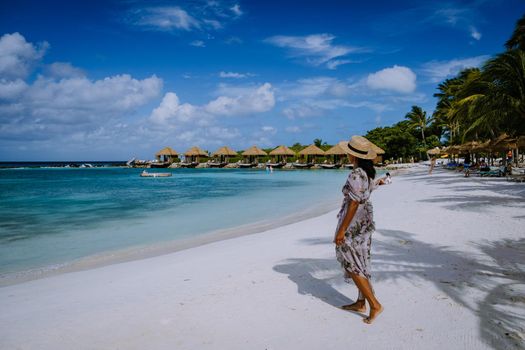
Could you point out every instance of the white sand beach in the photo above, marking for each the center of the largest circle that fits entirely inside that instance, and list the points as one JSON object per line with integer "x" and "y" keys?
{"x": 448, "y": 265}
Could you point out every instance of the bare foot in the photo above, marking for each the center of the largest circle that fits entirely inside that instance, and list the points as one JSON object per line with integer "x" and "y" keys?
{"x": 358, "y": 306}
{"x": 374, "y": 312}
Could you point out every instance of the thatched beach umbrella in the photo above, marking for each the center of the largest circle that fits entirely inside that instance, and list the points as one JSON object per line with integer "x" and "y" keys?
{"x": 194, "y": 154}
{"x": 282, "y": 152}
{"x": 520, "y": 142}
{"x": 224, "y": 153}
{"x": 311, "y": 151}
{"x": 167, "y": 154}
{"x": 253, "y": 153}
{"x": 468, "y": 146}
{"x": 434, "y": 151}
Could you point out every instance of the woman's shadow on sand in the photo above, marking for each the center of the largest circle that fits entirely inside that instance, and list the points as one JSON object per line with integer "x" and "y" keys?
{"x": 398, "y": 255}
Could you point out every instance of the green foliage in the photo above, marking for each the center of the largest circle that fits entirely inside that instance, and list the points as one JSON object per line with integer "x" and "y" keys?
{"x": 297, "y": 147}
{"x": 397, "y": 141}
{"x": 479, "y": 104}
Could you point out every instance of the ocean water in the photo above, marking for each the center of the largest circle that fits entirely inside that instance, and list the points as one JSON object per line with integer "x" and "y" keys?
{"x": 53, "y": 216}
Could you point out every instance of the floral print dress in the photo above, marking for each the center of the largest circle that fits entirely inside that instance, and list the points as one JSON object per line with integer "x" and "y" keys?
{"x": 354, "y": 253}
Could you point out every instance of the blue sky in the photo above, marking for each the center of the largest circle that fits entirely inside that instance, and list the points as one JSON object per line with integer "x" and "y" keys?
{"x": 101, "y": 80}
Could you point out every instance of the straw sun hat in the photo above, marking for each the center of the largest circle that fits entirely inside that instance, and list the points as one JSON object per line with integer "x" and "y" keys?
{"x": 360, "y": 147}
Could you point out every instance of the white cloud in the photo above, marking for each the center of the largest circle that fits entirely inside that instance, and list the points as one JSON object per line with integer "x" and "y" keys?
{"x": 314, "y": 87}
{"x": 18, "y": 57}
{"x": 108, "y": 95}
{"x": 269, "y": 130}
{"x": 236, "y": 9}
{"x": 234, "y": 75}
{"x": 11, "y": 89}
{"x": 397, "y": 78}
{"x": 452, "y": 15}
{"x": 166, "y": 18}
{"x": 333, "y": 64}
{"x": 51, "y": 109}
{"x": 440, "y": 70}
{"x": 233, "y": 40}
{"x": 301, "y": 110}
{"x": 210, "y": 16}
{"x": 198, "y": 43}
{"x": 318, "y": 49}
{"x": 212, "y": 23}
{"x": 171, "y": 113}
{"x": 475, "y": 33}
{"x": 63, "y": 70}
{"x": 253, "y": 101}
{"x": 293, "y": 129}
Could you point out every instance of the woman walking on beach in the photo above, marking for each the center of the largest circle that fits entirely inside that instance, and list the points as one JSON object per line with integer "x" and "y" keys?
{"x": 353, "y": 237}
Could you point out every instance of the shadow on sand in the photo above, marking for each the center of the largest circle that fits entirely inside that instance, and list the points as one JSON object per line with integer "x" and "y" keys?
{"x": 498, "y": 275}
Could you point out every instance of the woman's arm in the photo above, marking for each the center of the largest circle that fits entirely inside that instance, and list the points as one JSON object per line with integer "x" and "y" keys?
{"x": 340, "y": 235}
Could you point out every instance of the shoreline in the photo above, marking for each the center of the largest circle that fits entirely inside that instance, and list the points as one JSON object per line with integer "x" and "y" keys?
{"x": 448, "y": 246}
{"x": 164, "y": 248}
{"x": 146, "y": 251}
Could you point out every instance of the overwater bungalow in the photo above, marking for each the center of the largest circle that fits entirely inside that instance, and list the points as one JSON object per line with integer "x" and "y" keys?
{"x": 252, "y": 156}
{"x": 167, "y": 154}
{"x": 165, "y": 157}
{"x": 222, "y": 157}
{"x": 309, "y": 156}
{"x": 194, "y": 156}
{"x": 339, "y": 152}
{"x": 280, "y": 155}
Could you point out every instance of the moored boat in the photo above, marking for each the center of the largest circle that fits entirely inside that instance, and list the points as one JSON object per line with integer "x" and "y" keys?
{"x": 276, "y": 165}
{"x": 303, "y": 165}
{"x": 147, "y": 174}
{"x": 188, "y": 165}
{"x": 330, "y": 166}
{"x": 247, "y": 165}
{"x": 217, "y": 164}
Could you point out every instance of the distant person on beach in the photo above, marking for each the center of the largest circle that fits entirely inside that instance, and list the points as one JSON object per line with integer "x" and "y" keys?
{"x": 432, "y": 165}
{"x": 353, "y": 235}
{"x": 387, "y": 180}
{"x": 483, "y": 166}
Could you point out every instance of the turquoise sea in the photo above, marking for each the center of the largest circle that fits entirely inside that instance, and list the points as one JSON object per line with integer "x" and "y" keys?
{"x": 53, "y": 216}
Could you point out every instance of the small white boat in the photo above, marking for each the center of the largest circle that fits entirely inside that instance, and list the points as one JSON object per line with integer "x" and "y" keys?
{"x": 146, "y": 174}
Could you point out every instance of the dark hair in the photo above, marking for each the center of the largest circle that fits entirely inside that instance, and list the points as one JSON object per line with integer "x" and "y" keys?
{"x": 368, "y": 166}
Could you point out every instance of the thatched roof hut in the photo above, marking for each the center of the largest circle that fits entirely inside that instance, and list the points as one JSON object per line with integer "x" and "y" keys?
{"x": 194, "y": 154}
{"x": 167, "y": 154}
{"x": 339, "y": 152}
{"x": 254, "y": 151}
{"x": 282, "y": 151}
{"x": 340, "y": 149}
{"x": 195, "y": 151}
{"x": 312, "y": 150}
{"x": 252, "y": 154}
{"x": 224, "y": 151}
{"x": 378, "y": 150}
{"x": 167, "y": 151}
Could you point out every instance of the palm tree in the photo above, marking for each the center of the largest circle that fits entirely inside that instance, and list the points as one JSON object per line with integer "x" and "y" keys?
{"x": 417, "y": 118}
{"x": 506, "y": 74}
{"x": 517, "y": 40}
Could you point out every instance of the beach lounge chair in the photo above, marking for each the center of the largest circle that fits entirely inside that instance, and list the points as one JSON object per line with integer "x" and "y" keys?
{"x": 493, "y": 172}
